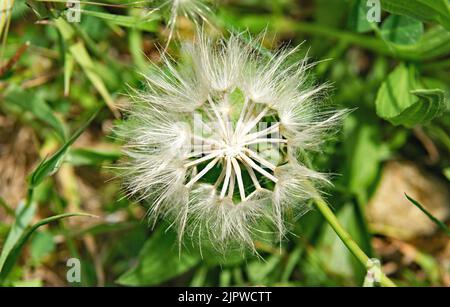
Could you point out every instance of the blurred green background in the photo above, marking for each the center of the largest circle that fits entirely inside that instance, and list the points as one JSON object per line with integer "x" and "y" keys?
{"x": 55, "y": 157}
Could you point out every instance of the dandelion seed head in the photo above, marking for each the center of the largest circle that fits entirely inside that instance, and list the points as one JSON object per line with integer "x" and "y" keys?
{"x": 198, "y": 11}
{"x": 212, "y": 144}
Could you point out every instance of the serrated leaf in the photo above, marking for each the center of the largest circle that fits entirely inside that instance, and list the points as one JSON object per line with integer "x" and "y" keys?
{"x": 401, "y": 30}
{"x": 159, "y": 261}
{"x": 49, "y": 166}
{"x": 29, "y": 102}
{"x": 431, "y": 104}
{"x": 402, "y": 102}
{"x": 424, "y": 10}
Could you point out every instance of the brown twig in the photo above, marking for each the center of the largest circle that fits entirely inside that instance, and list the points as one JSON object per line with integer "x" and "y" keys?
{"x": 433, "y": 153}
{"x": 14, "y": 59}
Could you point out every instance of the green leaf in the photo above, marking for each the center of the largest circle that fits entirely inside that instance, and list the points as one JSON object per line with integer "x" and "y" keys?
{"x": 400, "y": 101}
{"x": 28, "y": 283}
{"x": 258, "y": 271}
{"x": 364, "y": 151}
{"x": 43, "y": 10}
{"x": 334, "y": 255}
{"x": 68, "y": 70}
{"x": 29, "y": 102}
{"x": 15, "y": 252}
{"x": 49, "y": 166}
{"x": 429, "y": 215}
{"x": 159, "y": 261}
{"x": 83, "y": 58}
{"x": 42, "y": 245}
{"x": 358, "y": 17}
{"x": 433, "y": 44}
{"x": 6, "y": 207}
{"x": 24, "y": 215}
{"x": 424, "y": 10}
{"x": 135, "y": 43}
{"x": 431, "y": 104}
{"x": 401, "y": 30}
{"x": 148, "y": 23}
{"x": 447, "y": 173}
{"x": 86, "y": 156}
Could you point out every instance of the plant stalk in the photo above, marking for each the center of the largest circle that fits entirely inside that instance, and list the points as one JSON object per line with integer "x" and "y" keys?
{"x": 347, "y": 239}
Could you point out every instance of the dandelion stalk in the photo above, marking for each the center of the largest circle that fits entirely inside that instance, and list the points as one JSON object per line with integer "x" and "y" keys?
{"x": 332, "y": 220}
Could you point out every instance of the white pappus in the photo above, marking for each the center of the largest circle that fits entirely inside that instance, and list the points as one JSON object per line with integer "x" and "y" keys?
{"x": 212, "y": 143}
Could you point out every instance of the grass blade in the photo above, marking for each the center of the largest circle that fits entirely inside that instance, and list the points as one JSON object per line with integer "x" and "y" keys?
{"x": 24, "y": 214}
{"x": 82, "y": 57}
{"x": 48, "y": 166}
{"x": 430, "y": 216}
{"x": 26, "y": 101}
{"x": 15, "y": 252}
{"x": 6, "y": 7}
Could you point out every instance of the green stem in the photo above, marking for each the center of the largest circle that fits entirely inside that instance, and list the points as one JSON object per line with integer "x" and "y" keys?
{"x": 347, "y": 239}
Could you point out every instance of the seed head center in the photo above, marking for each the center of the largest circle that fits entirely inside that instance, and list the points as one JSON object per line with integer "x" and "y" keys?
{"x": 233, "y": 151}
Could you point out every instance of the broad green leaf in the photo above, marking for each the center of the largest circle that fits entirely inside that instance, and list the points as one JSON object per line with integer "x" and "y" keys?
{"x": 429, "y": 215}
{"x": 15, "y": 252}
{"x": 330, "y": 256}
{"x": 41, "y": 245}
{"x": 159, "y": 261}
{"x": 364, "y": 151}
{"x": 401, "y": 30}
{"x": 431, "y": 104}
{"x": 334, "y": 255}
{"x": 434, "y": 43}
{"x": 49, "y": 166}
{"x": 29, "y": 102}
{"x": 24, "y": 215}
{"x": 402, "y": 102}
{"x": 425, "y": 10}
{"x": 258, "y": 271}
{"x": 358, "y": 17}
